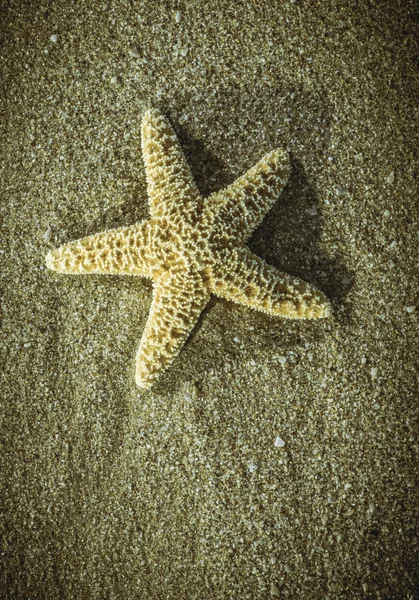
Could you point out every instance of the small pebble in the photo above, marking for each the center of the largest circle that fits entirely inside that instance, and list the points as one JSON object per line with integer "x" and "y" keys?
{"x": 347, "y": 486}
{"x": 115, "y": 79}
{"x": 282, "y": 360}
{"x": 279, "y": 442}
{"x": 236, "y": 339}
{"x": 187, "y": 397}
{"x": 54, "y": 38}
{"x": 345, "y": 280}
{"x": 386, "y": 213}
{"x": 391, "y": 264}
{"x": 134, "y": 52}
{"x": 27, "y": 345}
{"x": 374, "y": 372}
{"x": 48, "y": 234}
{"x": 275, "y": 590}
{"x": 393, "y": 244}
{"x": 341, "y": 191}
{"x": 365, "y": 587}
{"x": 177, "y": 16}
{"x": 331, "y": 498}
{"x": 410, "y": 309}
{"x": 184, "y": 51}
{"x": 312, "y": 211}
{"x": 363, "y": 360}
{"x": 252, "y": 467}
{"x": 390, "y": 178}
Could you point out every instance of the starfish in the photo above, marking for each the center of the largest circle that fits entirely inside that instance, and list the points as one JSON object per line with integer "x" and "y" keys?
{"x": 193, "y": 247}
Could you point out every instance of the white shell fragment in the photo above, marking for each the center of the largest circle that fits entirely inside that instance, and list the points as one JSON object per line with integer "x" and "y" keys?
{"x": 312, "y": 211}
{"x": 54, "y": 37}
{"x": 48, "y": 235}
{"x": 177, "y": 16}
{"x": 252, "y": 467}
{"x": 279, "y": 442}
{"x": 134, "y": 52}
{"x": 410, "y": 309}
{"x": 374, "y": 372}
{"x": 27, "y": 345}
{"x": 390, "y": 178}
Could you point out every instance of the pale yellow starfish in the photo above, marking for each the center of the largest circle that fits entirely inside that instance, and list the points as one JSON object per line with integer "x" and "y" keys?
{"x": 192, "y": 248}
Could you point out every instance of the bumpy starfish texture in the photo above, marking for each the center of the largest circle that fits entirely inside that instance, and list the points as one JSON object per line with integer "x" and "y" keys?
{"x": 192, "y": 248}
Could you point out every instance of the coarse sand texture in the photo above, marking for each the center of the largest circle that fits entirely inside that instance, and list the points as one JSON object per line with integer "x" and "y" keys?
{"x": 235, "y": 155}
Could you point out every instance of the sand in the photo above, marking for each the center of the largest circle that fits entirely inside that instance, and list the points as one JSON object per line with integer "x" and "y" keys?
{"x": 184, "y": 491}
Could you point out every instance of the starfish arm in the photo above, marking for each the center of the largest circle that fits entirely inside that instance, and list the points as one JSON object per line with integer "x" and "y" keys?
{"x": 121, "y": 251}
{"x": 241, "y": 207}
{"x": 171, "y": 188}
{"x": 244, "y": 278}
{"x": 174, "y": 312}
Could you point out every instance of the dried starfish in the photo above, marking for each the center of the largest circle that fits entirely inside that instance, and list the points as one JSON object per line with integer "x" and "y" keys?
{"x": 192, "y": 248}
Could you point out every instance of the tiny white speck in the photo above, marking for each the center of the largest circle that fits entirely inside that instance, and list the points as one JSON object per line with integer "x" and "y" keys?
{"x": 386, "y": 213}
{"x": 390, "y": 178}
{"x": 365, "y": 587}
{"x": 54, "y": 38}
{"x": 252, "y": 467}
{"x": 363, "y": 360}
{"x": 282, "y": 360}
{"x": 330, "y": 158}
{"x": 187, "y": 396}
{"x": 393, "y": 244}
{"x": 374, "y": 372}
{"x": 48, "y": 234}
{"x": 178, "y": 16}
{"x": 134, "y": 52}
{"x": 391, "y": 264}
{"x": 253, "y": 362}
{"x": 27, "y": 345}
{"x": 410, "y": 309}
{"x": 312, "y": 211}
{"x": 347, "y": 486}
{"x": 279, "y": 442}
{"x": 236, "y": 339}
{"x": 114, "y": 79}
{"x": 184, "y": 51}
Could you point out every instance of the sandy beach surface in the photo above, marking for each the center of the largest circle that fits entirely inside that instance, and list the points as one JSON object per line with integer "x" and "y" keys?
{"x": 275, "y": 458}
